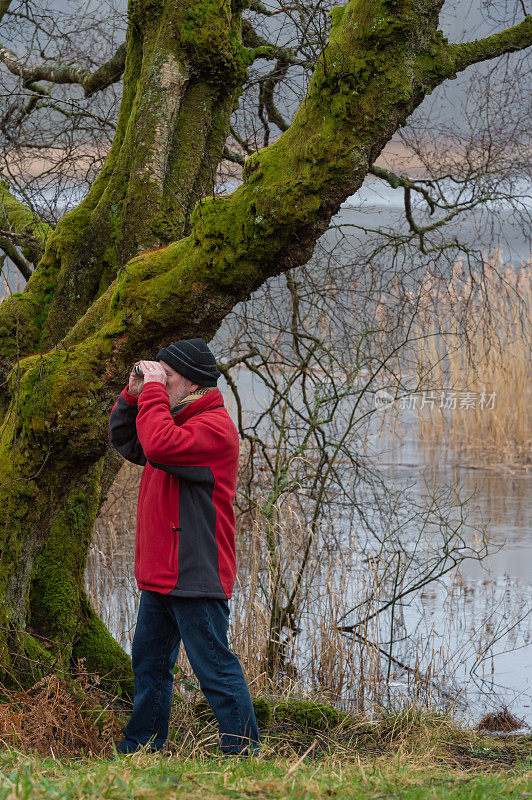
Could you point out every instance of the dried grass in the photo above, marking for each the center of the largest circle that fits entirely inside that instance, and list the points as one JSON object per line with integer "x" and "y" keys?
{"x": 59, "y": 716}
{"x": 499, "y": 721}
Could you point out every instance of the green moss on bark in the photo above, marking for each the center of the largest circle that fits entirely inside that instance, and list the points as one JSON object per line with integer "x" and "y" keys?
{"x": 58, "y": 576}
{"x": 210, "y": 35}
{"x": 42, "y": 571}
{"x": 310, "y": 716}
{"x": 188, "y": 152}
{"x": 17, "y": 217}
{"x": 57, "y": 398}
{"x": 103, "y": 654}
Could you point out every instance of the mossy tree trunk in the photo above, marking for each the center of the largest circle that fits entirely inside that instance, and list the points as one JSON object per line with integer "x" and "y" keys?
{"x": 149, "y": 257}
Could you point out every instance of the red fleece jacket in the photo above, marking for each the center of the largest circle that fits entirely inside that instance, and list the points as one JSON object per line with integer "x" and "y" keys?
{"x": 185, "y": 542}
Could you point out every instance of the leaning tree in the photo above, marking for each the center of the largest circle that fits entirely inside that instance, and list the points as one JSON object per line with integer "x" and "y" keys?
{"x": 151, "y": 255}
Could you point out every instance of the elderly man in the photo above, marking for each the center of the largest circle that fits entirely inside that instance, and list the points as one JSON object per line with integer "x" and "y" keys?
{"x": 172, "y": 420}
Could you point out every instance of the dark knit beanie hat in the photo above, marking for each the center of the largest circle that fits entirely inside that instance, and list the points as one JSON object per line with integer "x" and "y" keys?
{"x": 192, "y": 359}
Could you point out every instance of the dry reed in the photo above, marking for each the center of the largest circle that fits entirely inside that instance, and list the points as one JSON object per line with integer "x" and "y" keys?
{"x": 473, "y": 354}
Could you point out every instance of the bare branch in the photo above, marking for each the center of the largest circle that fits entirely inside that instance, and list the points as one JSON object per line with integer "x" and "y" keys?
{"x": 108, "y": 73}
{"x": 244, "y": 144}
{"x": 401, "y": 180}
{"x": 260, "y": 8}
{"x": 267, "y": 89}
{"x": 224, "y": 367}
{"x": 23, "y": 238}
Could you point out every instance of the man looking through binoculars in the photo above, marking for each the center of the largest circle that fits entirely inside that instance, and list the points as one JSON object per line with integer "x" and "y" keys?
{"x": 171, "y": 419}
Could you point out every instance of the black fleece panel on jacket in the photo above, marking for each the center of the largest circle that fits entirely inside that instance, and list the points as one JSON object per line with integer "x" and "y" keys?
{"x": 123, "y": 432}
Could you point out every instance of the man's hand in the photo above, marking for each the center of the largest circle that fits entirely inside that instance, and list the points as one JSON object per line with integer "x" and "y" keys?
{"x": 153, "y": 372}
{"x": 136, "y": 382}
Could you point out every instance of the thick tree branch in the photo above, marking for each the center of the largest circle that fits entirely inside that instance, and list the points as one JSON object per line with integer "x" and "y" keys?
{"x": 11, "y": 252}
{"x": 231, "y": 155}
{"x": 104, "y": 76}
{"x": 290, "y": 190}
{"x": 21, "y": 225}
{"x": 360, "y": 92}
{"x": 509, "y": 41}
{"x": 368, "y": 80}
{"x": 108, "y": 73}
{"x": 262, "y": 48}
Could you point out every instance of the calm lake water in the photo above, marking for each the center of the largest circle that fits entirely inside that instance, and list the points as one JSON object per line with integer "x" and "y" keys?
{"x": 495, "y": 598}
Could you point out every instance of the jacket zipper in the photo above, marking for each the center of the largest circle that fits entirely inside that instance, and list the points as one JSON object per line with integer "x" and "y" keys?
{"x": 174, "y": 533}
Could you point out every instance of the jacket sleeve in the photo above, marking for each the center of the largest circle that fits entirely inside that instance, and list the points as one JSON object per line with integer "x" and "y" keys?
{"x": 165, "y": 444}
{"x": 123, "y": 430}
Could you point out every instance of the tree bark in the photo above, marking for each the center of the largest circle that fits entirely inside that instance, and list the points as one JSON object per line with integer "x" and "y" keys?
{"x": 172, "y": 126}
{"x": 148, "y": 257}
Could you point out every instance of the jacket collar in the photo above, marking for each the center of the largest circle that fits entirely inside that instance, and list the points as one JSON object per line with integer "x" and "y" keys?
{"x": 208, "y": 400}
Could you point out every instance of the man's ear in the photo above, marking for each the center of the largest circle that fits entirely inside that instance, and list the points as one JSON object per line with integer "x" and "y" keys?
{"x": 193, "y": 387}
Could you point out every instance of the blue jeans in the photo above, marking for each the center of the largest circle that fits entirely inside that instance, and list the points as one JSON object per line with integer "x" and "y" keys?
{"x": 164, "y": 621}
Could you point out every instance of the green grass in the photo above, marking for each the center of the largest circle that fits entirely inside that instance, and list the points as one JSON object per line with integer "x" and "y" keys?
{"x": 309, "y": 751}
{"x": 145, "y": 776}
{"x": 471, "y": 773}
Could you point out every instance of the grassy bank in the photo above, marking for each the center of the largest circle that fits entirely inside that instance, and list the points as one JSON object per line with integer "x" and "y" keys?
{"x": 157, "y": 777}
{"x": 309, "y": 751}
{"x": 490, "y": 771}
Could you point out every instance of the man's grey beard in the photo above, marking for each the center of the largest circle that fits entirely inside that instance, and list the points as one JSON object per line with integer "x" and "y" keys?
{"x": 175, "y": 400}
{"x": 201, "y": 390}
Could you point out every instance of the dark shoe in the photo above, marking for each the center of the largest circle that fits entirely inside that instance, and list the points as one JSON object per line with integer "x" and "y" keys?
{"x": 247, "y": 752}
{"x": 127, "y": 747}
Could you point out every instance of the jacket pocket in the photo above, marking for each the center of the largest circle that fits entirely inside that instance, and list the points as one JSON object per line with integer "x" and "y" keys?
{"x": 174, "y": 546}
